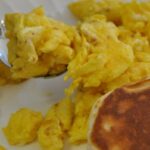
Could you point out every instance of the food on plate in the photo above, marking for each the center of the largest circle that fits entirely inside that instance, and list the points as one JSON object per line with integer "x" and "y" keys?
{"x": 83, "y": 103}
{"x": 38, "y": 45}
{"x": 120, "y": 119}
{"x": 101, "y": 57}
{"x": 55, "y": 125}
{"x": 5, "y": 74}
{"x": 107, "y": 49}
{"x": 65, "y": 113}
{"x": 2, "y": 148}
{"x": 22, "y": 126}
{"x": 50, "y": 135}
{"x": 140, "y": 69}
{"x": 84, "y": 8}
{"x": 132, "y": 21}
{"x": 134, "y": 15}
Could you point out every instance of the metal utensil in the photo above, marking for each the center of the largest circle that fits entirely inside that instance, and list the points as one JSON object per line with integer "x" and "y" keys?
{"x": 3, "y": 44}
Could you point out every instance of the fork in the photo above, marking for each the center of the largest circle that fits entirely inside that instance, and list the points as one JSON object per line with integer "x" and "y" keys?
{"x": 3, "y": 45}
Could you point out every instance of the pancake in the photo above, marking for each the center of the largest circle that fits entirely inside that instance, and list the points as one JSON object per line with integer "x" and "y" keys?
{"x": 120, "y": 120}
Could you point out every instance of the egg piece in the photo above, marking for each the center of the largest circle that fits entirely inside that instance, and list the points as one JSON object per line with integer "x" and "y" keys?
{"x": 79, "y": 130}
{"x": 83, "y": 8}
{"x": 83, "y": 104}
{"x": 57, "y": 122}
{"x": 65, "y": 113}
{"x": 50, "y": 135}
{"x": 22, "y": 126}
{"x": 133, "y": 74}
{"x": 88, "y": 8}
{"x": 5, "y": 74}
{"x": 2, "y": 148}
{"x": 38, "y": 45}
{"x": 3, "y": 71}
{"x": 101, "y": 56}
{"x": 140, "y": 69}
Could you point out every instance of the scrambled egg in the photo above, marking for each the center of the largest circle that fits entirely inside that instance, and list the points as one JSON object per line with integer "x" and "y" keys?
{"x": 38, "y": 45}
{"x": 2, "y": 148}
{"x": 140, "y": 69}
{"x": 55, "y": 126}
{"x": 5, "y": 74}
{"x": 132, "y": 21}
{"x": 22, "y": 127}
{"x": 50, "y": 135}
{"x": 101, "y": 56}
{"x": 84, "y": 8}
{"x": 134, "y": 14}
{"x": 83, "y": 104}
{"x": 65, "y": 113}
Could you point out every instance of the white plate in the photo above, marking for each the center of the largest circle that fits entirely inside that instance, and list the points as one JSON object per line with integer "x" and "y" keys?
{"x": 37, "y": 94}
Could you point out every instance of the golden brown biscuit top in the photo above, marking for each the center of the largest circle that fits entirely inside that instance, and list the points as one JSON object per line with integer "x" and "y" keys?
{"x": 123, "y": 121}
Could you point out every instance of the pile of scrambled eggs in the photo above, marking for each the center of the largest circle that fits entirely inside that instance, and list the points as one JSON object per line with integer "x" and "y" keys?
{"x": 22, "y": 126}
{"x": 108, "y": 48}
{"x": 101, "y": 56}
{"x": 123, "y": 48}
{"x": 38, "y": 45}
